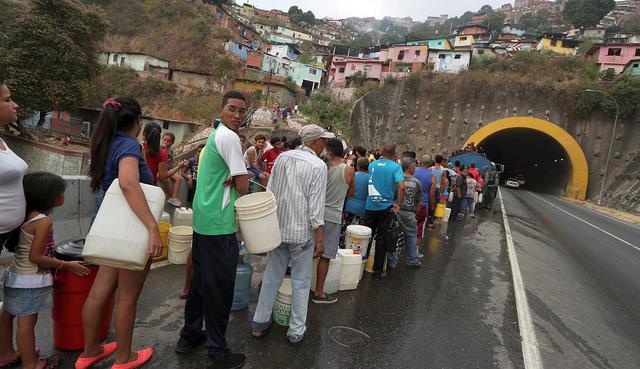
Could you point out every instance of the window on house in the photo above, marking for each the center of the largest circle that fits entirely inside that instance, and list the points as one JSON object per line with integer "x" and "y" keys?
{"x": 441, "y": 56}
{"x": 165, "y": 125}
{"x": 463, "y": 38}
{"x": 480, "y": 52}
{"x": 367, "y": 67}
{"x": 638, "y": 52}
{"x": 353, "y": 67}
{"x": 614, "y": 51}
{"x": 636, "y": 65}
{"x": 122, "y": 61}
{"x": 417, "y": 53}
{"x": 115, "y": 58}
{"x": 401, "y": 55}
{"x": 458, "y": 56}
{"x": 554, "y": 42}
{"x": 341, "y": 70}
{"x": 439, "y": 43}
{"x": 239, "y": 47}
{"x": 313, "y": 71}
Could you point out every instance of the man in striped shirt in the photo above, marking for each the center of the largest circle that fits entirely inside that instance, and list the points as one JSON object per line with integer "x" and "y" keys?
{"x": 298, "y": 181}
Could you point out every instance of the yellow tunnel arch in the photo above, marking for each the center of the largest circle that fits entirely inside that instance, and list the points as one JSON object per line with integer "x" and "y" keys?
{"x": 579, "y": 177}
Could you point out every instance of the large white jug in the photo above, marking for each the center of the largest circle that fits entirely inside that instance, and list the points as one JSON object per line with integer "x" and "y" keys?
{"x": 117, "y": 237}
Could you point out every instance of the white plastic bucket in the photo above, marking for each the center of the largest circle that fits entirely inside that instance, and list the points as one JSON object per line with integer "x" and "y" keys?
{"x": 351, "y": 264}
{"x": 180, "y": 238}
{"x": 117, "y": 237}
{"x": 282, "y": 304}
{"x": 332, "y": 282}
{"x": 357, "y": 237}
{"x": 258, "y": 222}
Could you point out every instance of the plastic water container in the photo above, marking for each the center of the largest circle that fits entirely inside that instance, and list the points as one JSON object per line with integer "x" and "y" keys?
{"x": 440, "y": 209}
{"x": 180, "y": 238}
{"x": 117, "y": 237}
{"x": 447, "y": 214}
{"x": 282, "y": 305}
{"x": 332, "y": 282}
{"x": 351, "y": 264}
{"x": 242, "y": 288}
{"x": 164, "y": 234}
{"x": 357, "y": 237}
{"x": 258, "y": 222}
{"x": 166, "y": 217}
{"x": 183, "y": 217}
{"x": 480, "y": 198}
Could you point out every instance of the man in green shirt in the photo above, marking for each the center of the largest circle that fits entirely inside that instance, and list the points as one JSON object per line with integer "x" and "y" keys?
{"x": 222, "y": 174}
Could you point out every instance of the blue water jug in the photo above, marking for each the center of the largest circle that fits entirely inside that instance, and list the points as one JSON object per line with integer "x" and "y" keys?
{"x": 242, "y": 289}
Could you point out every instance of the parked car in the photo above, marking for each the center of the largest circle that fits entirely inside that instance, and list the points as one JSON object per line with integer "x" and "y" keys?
{"x": 520, "y": 179}
{"x": 512, "y": 183}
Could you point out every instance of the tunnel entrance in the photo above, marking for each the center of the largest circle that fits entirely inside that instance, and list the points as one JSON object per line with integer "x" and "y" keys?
{"x": 532, "y": 155}
{"x": 546, "y": 155}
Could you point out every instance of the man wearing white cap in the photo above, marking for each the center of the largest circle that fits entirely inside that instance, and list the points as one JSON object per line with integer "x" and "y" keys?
{"x": 298, "y": 181}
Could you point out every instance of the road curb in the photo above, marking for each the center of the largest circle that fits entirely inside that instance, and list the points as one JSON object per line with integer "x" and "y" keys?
{"x": 619, "y": 214}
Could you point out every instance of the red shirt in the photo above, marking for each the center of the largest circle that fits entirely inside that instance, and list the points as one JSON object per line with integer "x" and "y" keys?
{"x": 154, "y": 161}
{"x": 270, "y": 156}
{"x": 475, "y": 174}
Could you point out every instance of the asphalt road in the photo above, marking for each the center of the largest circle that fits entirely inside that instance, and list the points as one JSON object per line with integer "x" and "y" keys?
{"x": 581, "y": 272}
{"x": 458, "y": 311}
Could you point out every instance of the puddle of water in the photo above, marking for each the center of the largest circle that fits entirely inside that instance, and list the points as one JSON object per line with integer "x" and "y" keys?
{"x": 353, "y": 346}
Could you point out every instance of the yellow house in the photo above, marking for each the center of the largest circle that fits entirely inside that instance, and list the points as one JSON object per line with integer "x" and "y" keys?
{"x": 464, "y": 40}
{"x": 555, "y": 43}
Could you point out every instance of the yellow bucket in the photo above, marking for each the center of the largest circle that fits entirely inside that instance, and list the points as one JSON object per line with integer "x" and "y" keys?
{"x": 164, "y": 234}
{"x": 440, "y": 209}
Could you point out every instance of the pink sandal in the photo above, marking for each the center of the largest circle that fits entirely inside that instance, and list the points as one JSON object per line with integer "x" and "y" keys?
{"x": 107, "y": 350}
{"x": 16, "y": 360}
{"x": 143, "y": 356}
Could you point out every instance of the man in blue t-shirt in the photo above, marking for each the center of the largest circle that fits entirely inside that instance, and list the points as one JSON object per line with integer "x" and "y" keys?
{"x": 386, "y": 195}
{"x": 428, "y": 179}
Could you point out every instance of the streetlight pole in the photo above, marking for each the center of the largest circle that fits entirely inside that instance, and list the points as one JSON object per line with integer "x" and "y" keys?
{"x": 613, "y": 137}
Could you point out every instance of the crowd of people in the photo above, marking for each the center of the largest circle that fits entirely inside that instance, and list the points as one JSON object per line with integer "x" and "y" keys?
{"x": 320, "y": 188}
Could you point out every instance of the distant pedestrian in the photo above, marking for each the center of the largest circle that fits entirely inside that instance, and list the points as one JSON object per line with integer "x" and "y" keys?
{"x": 116, "y": 153}
{"x": 428, "y": 183}
{"x": 355, "y": 206}
{"x": 474, "y": 172}
{"x": 386, "y": 195}
{"x": 408, "y": 211}
{"x": 269, "y": 157}
{"x": 222, "y": 176}
{"x": 157, "y": 158}
{"x": 172, "y": 183}
{"x": 468, "y": 202}
{"x": 251, "y": 157}
{"x": 340, "y": 184}
{"x": 460, "y": 192}
{"x": 298, "y": 181}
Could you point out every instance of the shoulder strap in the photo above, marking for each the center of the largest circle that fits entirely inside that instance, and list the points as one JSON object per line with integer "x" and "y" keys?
{"x": 37, "y": 217}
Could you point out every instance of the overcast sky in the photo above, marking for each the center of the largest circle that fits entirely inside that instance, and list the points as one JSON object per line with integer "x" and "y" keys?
{"x": 416, "y": 9}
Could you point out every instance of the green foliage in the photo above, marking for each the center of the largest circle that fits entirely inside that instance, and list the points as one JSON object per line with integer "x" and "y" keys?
{"x": 299, "y": 17}
{"x": 50, "y": 53}
{"x": 322, "y": 107}
{"x": 306, "y": 58}
{"x": 290, "y": 84}
{"x": 585, "y": 45}
{"x": 587, "y": 13}
{"x": 413, "y": 82}
{"x": 366, "y": 87}
{"x": 223, "y": 68}
{"x": 357, "y": 79}
{"x": 625, "y": 91}
{"x": 536, "y": 22}
{"x": 495, "y": 21}
{"x": 608, "y": 74}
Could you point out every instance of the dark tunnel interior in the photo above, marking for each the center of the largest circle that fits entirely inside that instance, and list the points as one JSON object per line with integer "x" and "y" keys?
{"x": 535, "y": 155}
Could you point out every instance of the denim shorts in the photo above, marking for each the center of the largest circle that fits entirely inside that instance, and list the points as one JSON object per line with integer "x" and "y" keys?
{"x": 26, "y": 301}
{"x": 331, "y": 239}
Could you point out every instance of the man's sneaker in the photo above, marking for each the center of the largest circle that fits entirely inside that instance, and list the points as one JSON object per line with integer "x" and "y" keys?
{"x": 473, "y": 215}
{"x": 420, "y": 256}
{"x": 175, "y": 202}
{"x": 295, "y": 342}
{"x": 184, "y": 346}
{"x": 417, "y": 265}
{"x": 326, "y": 299}
{"x": 229, "y": 360}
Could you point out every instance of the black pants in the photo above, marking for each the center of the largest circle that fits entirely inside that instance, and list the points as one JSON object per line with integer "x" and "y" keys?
{"x": 455, "y": 207}
{"x": 380, "y": 223}
{"x": 215, "y": 259}
{"x": 432, "y": 208}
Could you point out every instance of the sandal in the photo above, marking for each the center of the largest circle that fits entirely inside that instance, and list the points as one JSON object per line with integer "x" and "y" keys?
{"x": 143, "y": 356}
{"x": 107, "y": 350}
{"x": 52, "y": 362}
{"x": 10, "y": 362}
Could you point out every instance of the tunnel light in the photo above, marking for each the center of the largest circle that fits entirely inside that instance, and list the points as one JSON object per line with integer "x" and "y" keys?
{"x": 556, "y": 160}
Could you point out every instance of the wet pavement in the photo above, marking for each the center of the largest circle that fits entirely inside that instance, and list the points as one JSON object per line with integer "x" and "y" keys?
{"x": 580, "y": 270}
{"x": 458, "y": 311}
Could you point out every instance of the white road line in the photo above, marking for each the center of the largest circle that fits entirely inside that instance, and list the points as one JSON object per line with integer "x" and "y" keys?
{"x": 598, "y": 213}
{"x": 530, "y": 352}
{"x": 586, "y": 222}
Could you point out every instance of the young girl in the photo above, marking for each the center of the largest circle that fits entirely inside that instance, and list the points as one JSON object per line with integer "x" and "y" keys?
{"x": 27, "y": 282}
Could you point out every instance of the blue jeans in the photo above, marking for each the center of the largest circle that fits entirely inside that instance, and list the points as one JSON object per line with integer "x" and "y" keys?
{"x": 409, "y": 223}
{"x": 301, "y": 257}
{"x": 468, "y": 202}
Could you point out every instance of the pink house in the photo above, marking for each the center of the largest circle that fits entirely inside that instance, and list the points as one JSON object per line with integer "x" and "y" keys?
{"x": 342, "y": 68}
{"x": 616, "y": 56}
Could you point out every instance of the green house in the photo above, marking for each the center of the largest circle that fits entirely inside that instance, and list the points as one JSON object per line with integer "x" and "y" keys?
{"x": 632, "y": 68}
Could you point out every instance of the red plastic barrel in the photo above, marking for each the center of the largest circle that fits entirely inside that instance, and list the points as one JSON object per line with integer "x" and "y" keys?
{"x": 69, "y": 294}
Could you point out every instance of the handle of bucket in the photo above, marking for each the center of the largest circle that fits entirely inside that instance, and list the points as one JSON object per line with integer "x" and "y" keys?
{"x": 254, "y": 182}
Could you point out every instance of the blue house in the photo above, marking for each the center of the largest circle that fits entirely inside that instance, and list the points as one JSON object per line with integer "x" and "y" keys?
{"x": 433, "y": 43}
{"x": 238, "y": 49}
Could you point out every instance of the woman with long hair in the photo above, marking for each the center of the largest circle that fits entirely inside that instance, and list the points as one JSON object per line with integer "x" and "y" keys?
{"x": 116, "y": 153}
{"x": 157, "y": 157}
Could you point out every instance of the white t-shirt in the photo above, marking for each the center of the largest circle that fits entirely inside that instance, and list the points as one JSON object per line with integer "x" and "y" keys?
{"x": 12, "y": 201}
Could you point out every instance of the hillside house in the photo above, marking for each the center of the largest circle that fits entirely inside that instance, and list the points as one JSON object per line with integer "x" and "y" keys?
{"x": 513, "y": 29}
{"x": 306, "y": 76}
{"x": 615, "y": 56}
{"x": 238, "y": 49}
{"x": 285, "y": 32}
{"x": 556, "y": 43}
{"x": 405, "y": 59}
{"x": 228, "y": 21}
{"x": 464, "y": 41}
{"x": 193, "y": 79}
{"x": 254, "y": 59}
{"x": 136, "y": 61}
{"x": 278, "y": 92}
{"x": 450, "y": 61}
{"x": 434, "y": 43}
{"x": 342, "y": 69}
{"x": 632, "y": 68}
{"x": 472, "y": 29}
{"x": 594, "y": 33}
{"x": 284, "y": 51}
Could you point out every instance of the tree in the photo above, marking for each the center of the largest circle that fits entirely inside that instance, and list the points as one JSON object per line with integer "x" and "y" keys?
{"x": 486, "y": 9}
{"x": 306, "y": 58}
{"x": 50, "y": 54}
{"x": 309, "y": 18}
{"x": 495, "y": 21}
{"x": 587, "y": 13}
